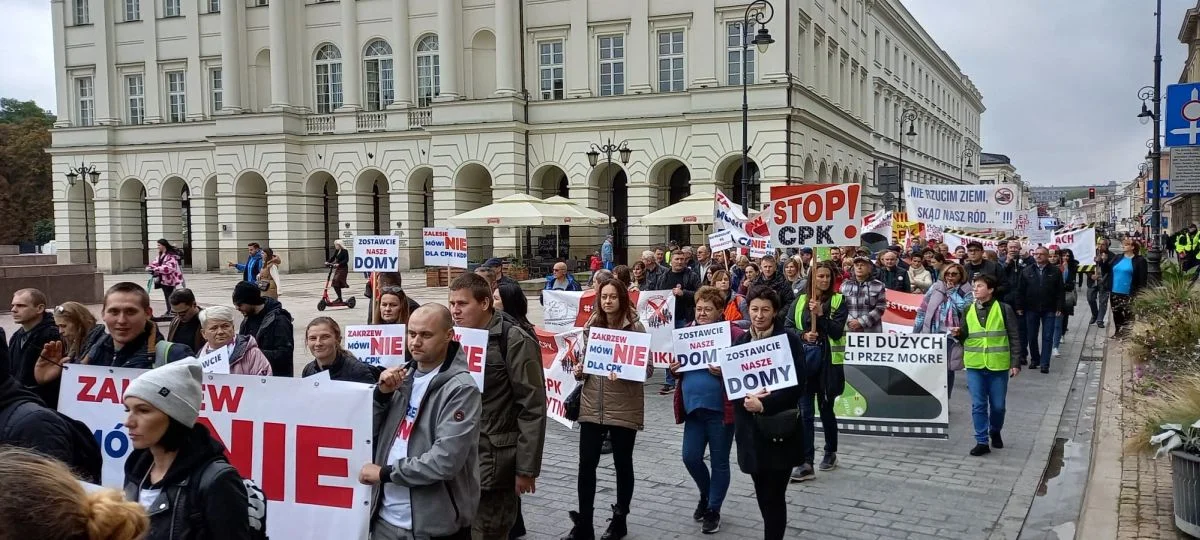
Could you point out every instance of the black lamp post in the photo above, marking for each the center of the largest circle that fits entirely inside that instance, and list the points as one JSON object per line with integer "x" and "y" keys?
{"x": 966, "y": 156}
{"x": 623, "y": 152}
{"x": 761, "y": 12}
{"x": 1154, "y": 255}
{"x": 910, "y": 116}
{"x": 92, "y": 175}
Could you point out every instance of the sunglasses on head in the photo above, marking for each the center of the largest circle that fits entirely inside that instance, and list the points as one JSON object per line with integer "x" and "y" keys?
{"x": 391, "y": 289}
{"x": 59, "y": 310}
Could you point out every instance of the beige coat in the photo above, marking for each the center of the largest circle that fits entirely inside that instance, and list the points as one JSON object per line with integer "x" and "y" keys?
{"x": 613, "y": 403}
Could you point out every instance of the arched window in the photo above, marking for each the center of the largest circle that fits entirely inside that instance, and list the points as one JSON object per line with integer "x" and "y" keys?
{"x": 379, "y": 74}
{"x": 329, "y": 79}
{"x": 429, "y": 72}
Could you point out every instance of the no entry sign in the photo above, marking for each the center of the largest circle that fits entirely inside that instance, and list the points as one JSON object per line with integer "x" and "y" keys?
{"x": 814, "y": 215}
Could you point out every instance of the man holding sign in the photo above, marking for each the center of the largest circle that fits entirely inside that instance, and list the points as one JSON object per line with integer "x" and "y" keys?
{"x": 991, "y": 354}
{"x": 512, "y": 430}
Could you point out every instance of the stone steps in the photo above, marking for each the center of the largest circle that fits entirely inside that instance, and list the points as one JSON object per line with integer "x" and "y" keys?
{"x": 61, "y": 282}
{"x": 27, "y": 260}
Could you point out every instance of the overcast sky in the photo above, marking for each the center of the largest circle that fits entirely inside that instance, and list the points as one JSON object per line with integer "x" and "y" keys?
{"x": 1059, "y": 78}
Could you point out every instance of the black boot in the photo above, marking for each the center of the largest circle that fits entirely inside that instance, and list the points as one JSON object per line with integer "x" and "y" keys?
{"x": 616, "y": 527}
{"x": 583, "y": 527}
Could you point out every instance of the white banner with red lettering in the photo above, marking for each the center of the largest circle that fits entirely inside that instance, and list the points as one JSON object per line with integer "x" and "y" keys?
{"x": 377, "y": 344}
{"x": 474, "y": 345}
{"x": 811, "y": 215}
{"x": 305, "y": 457}
{"x": 1081, "y": 242}
{"x": 901, "y": 312}
{"x": 559, "y": 354}
{"x": 565, "y": 310}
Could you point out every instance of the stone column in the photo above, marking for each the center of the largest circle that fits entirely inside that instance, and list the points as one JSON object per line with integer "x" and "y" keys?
{"x": 405, "y": 209}
{"x": 351, "y": 58}
{"x": 402, "y": 56}
{"x": 102, "y": 83}
{"x": 231, "y": 57}
{"x": 280, "y": 96}
{"x": 449, "y": 48}
{"x": 578, "y": 77}
{"x": 643, "y": 199}
{"x": 639, "y": 49}
{"x": 506, "y": 47}
{"x": 58, "y": 24}
{"x": 702, "y": 59}
{"x": 204, "y": 239}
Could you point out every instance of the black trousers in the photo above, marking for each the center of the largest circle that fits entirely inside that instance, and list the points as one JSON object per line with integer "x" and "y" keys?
{"x": 1122, "y": 311}
{"x": 770, "y": 489}
{"x": 591, "y": 436}
{"x": 167, "y": 290}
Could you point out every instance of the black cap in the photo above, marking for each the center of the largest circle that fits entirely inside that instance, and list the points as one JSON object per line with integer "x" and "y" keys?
{"x": 247, "y": 293}
{"x": 493, "y": 263}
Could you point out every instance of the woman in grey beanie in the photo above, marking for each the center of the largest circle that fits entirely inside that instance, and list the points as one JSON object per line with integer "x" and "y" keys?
{"x": 172, "y": 453}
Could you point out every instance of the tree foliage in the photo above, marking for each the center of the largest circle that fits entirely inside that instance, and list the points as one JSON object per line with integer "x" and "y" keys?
{"x": 25, "y": 169}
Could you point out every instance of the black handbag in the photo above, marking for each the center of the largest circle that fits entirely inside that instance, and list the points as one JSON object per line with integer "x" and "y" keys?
{"x": 779, "y": 427}
{"x": 572, "y": 403}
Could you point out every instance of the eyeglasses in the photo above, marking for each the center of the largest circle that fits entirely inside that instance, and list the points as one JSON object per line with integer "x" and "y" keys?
{"x": 956, "y": 274}
{"x": 391, "y": 289}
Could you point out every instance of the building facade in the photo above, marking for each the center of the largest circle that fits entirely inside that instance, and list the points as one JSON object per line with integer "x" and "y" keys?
{"x": 1185, "y": 209}
{"x": 215, "y": 123}
{"x": 998, "y": 169}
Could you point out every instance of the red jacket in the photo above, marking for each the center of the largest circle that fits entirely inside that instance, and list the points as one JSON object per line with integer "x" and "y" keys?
{"x": 594, "y": 263}
{"x": 680, "y": 414}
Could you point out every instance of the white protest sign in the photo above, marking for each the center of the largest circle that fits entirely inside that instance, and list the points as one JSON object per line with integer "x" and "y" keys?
{"x": 445, "y": 247}
{"x": 302, "y": 441}
{"x": 1039, "y": 237}
{"x": 1081, "y": 242}
{"x": 617, "y": 351}
{"x": 972, "y": 206}
{"x": 812, "y": 215}
{"x": 319, "y": 376}
{"x": 696, "y": 346}
{"x": 895, "y": 386}
{"x": 656, "y": 311}
{"x": 765, "y": 363}
{"x": 759, "y": 247}
{"x": 721, "y": 240}
{"x": 474, "y": 343}
{"x": 377, "y": 344}
{"x": 1026, "y": 221}
{"x": 559, "y": 353}
{"x": 376, "y": 254}
{"x": 216, "y": 361}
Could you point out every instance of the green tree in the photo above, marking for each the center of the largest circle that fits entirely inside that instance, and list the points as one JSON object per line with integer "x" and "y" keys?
{"x": 15, "y": 111}
{"x": 43, "y": 231}
{"x": 25, "y": 169}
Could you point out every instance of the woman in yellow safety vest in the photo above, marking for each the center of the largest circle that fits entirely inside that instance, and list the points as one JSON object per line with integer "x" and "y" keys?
{"x": 829, "y": 334}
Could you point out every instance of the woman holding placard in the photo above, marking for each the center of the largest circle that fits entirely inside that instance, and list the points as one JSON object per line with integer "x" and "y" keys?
{"x": 770, "y": 440}
{"x": 941, "y": 309}
{"x": 323, "y": 337}
{"x": 608, "y": 405}
{"x": 707, "y": 418}
{"x": 245, "y": 358}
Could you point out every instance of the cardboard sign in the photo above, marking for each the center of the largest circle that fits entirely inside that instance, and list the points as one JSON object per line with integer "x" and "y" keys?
{"x": 721, "y": 240}
{"x": 445, "y": 247}
{"x": 376, "y": 254}
{"x": 759, "y": 247}
{"x": 696, "y": 346}
{"x": 474, "y": 343}
{"x": 302, "y": 441}
{"x": 560, "y": 352}
{"x": 217, "y": 361}
{"x": 377, "y": 344}
{"x": 1026, "y": 221}
{"x": 973, "y": 206}
{"x": 765, "y": 363}
{"x": 625, "y": 353}
{"x": 895, "y": 386}
{"x": 564, "y": 310}
{"x": 812, "y": 215}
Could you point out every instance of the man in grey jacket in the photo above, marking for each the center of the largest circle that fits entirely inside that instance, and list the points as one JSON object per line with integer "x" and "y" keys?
{"x": 427, "y": 437}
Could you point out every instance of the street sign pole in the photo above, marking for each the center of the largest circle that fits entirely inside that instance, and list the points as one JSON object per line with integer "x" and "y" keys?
{"x": 1154, "y": 257}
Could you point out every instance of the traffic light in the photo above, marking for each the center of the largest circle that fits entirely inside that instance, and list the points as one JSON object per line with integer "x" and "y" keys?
{"x": 1091, "y": 193}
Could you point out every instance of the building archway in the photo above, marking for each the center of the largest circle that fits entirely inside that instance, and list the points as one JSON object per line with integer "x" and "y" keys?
{"x": 483, "y": 65}
{"x": 322, "y": 192}
{"x": 613, "y": 189}
{"x": 823, "y": 174}
{"x": 81, "y": 210}
{"x": 175, "y": 215}
{"x": 672, "y": 182}
{"x": 554, "y": 242}
{"x": 250, "y": 207}
{"x": 415, "y": 211}
{"x": 371, "y": 203}
{"x": 133, "y": 225}
{"x": 473, "y": 189}
{"x": 810, "y": 175}
{"x": 729, "y": 176}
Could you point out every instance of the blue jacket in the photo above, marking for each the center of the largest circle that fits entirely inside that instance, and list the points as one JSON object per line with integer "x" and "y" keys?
{"x": 572, "y": 285}
{"x": 252, "y": 267}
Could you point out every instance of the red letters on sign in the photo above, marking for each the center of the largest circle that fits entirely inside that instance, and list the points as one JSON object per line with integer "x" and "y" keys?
{"x": 107, "y": 390}
{"x": 457, "y": 244}
{"x": 223, "y": 398}
{"x": 387, "y": 345}
{"x": 311, "y": 466}
{"x": 474, "y": 359}
{"x": 632, "y": 355}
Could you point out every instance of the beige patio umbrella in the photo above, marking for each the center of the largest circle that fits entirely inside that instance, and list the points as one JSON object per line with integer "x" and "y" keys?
{"x": 695, "y": 209}
{"x": 585, "y": 214}
{"x": 517, "y": 210}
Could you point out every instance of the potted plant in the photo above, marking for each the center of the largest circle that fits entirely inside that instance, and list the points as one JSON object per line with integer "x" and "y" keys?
{"x": 1179, "y": 436}
{"x": 517, "y": 270}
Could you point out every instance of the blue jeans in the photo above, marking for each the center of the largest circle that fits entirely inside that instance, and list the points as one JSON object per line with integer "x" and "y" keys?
{"x": 1058, "y": 330}
{"x": 988, "y": 391}
{"x": 707, "y": 427}
{"x": 1040, "y": 356}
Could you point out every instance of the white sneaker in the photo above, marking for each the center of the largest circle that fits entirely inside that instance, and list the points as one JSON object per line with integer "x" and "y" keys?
{"x": 1056, "y": 352}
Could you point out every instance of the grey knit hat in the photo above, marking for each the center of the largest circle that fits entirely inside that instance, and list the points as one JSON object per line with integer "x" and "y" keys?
{"x": 174, "y": 389}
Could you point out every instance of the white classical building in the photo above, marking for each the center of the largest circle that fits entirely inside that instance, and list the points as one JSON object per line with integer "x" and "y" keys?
{"x": 998, "y": 169}
{"x": 214, "y": 123}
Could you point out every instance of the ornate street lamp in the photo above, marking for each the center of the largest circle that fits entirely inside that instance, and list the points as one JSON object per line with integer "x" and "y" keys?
{"x": 966, "y": 156}
{"x": 623, "y": 154}
{"x": 1154, "y": 93}
{"x": 761, "y": 12}
{"x": 90, "y": 174}
{"x": 910, "y": 116}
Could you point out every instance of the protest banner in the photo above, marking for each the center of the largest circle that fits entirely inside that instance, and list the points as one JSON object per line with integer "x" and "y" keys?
{"x": 376, "y": 254}
{"x": 559, "y": 354}
{"x": 1080, "y": 240}
{"x": 445, "y": 247}
{"x": 759, "y": 246}
{"x": 564, "y": 310}
{"x": 810, "y": 215}
{"x": 305, "y": 458}
{"x": 216, "y": 361}
{"x": 474, "y": 344}
{"x": 721, "y": 240}
{"x": 1026, "y": 221}
{"x": 624, "y": 353}
{"x": 878, "y": 222}
{"x": 762, "y": 364}
{"x": 696, "y": 346}
{"x": 895, "y": 386}
{"x": 727, "y": 215}
{"x": 1038, "y": 237}
{"x": 972, "y": 206}
{"x": 377, "y": 344}
{"x": 901, "y": 311}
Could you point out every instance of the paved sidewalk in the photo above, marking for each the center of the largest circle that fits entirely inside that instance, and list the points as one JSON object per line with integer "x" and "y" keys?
{"x": 884, "y": 488}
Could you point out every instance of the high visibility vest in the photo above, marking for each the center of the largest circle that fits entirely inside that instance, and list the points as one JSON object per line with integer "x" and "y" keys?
{"x": 1183, "y": 243}
{"x": 837, "y": 346}
{"x": 986, "y": 347}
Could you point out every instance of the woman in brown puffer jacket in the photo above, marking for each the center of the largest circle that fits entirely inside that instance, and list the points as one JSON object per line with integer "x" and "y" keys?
{"x": 612, "y": 406}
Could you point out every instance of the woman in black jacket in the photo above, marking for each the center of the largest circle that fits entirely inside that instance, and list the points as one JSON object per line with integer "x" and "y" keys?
{"x": 339, "y": 262}
{"x": 177, "y": 470}
{"x": 323, "y": 337}
{"x": 770, "y": 440}
{"x": 1128, "y": 277}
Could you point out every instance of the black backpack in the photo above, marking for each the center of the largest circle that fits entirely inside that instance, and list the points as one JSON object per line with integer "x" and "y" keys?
{"x": 256, "y": 501}
{"x": 85, "y": 449}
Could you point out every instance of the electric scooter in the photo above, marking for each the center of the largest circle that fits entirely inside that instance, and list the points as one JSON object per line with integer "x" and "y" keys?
{"x": 325, "y": 302}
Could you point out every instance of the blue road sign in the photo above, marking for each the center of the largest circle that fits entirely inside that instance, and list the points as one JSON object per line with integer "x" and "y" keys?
{"x": 1182, "y": 115}
{"x": 1164, "y": 190}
